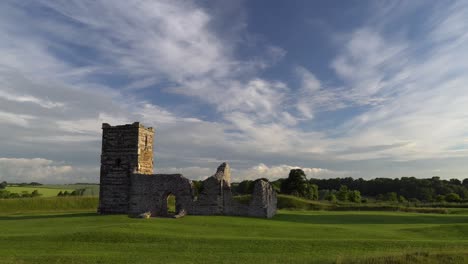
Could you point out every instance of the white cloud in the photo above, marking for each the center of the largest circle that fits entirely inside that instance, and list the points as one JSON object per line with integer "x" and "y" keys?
{"x": 17, "y": 170}
{"x": 60, "y": 85}
{"x": 281, "y": 171}
{"x": 414, "y": 92}
{"x": 15, "y": 119}
{"x": 258, "y": 171}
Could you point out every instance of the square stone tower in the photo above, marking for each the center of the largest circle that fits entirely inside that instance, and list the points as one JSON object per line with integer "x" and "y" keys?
{"x": 126, "y": 149}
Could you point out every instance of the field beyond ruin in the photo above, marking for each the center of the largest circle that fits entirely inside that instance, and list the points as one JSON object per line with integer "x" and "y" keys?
{"x": 67, "y": 230}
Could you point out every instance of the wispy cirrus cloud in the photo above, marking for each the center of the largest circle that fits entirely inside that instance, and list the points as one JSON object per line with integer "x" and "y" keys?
{"x": 416, "y": 90}
{"x": 71, "y": 65}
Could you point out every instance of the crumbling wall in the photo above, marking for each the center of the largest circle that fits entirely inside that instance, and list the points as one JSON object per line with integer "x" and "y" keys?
{"x": 211, "y": 200}
{"x": 264, "y": 201}
{"x": 127, "y": 184}
{"x": 216, "y": 197}
{"x": 148, "y": 193}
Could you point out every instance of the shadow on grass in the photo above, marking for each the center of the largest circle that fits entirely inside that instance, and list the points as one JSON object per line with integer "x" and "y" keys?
{"x": 46, "y": 216}
{"x": 369, "y": 218}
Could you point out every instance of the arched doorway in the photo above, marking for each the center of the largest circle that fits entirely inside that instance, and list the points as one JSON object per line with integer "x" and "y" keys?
{"x": 171, "y": 204}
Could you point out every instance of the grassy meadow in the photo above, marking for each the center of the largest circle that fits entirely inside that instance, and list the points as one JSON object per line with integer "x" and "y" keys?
{"x": 44, "y": 191}
{"x": 52, "y": 190}
{"x": 67, "y": 230}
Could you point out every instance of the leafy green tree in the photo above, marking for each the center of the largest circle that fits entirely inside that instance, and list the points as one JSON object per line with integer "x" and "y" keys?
{"x": 276, "y": 185}
{"x": 60, "y": 194}
{"x": 331, "y": 197}
{"x": 391, "y": 197}
{"x": 465, "y": 183}
{"x": 380, "y": 197}
{"x": 453, "y": 198}
{"x": 402, "y": 199}
{"x": 440, "y": 198}
{"x": 298, "y": 185}
{"x": 455, "y": 181}
{"x": 296, "y": 182}
{"x": 342, "y": 194}
{"x": 354, "y": 196}
{"x": 312, "y": 192}
{"x": 14, "y": 195}
{"x": 245, "y": 187}
{"x": 3, "y": 185}
{"x": 35, "y": 193}
{"x": 4, "y": 194}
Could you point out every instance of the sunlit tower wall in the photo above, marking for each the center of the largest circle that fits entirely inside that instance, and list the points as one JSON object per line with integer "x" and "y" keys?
{"x": 126, "y": 149}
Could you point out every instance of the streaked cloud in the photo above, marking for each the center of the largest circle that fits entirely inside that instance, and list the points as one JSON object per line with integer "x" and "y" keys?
{"x": 384, "y": 96}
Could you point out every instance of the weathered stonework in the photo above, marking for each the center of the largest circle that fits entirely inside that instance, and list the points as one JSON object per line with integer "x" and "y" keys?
{"x": 126, "y": 149}
{"x": 129, "y": 186}
{"x": 148, "y": 193}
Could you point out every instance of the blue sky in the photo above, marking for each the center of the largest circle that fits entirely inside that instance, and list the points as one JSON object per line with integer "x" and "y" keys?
{"x": 338, "y": 88}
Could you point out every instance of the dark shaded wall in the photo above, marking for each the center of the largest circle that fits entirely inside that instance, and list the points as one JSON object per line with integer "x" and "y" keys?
{"x": 126, "y": 149}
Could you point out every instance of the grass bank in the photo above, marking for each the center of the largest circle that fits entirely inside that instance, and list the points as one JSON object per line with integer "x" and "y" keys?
{"x": 296, "y": 203}
{"x": 289, "y": 237}
{"x": 43, "y": 191}
{"x": 50, "y": 204}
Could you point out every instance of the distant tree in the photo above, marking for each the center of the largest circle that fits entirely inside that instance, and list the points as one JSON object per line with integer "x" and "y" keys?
{"x": 35, "y": 193}
{"x": 245, "y": 187}
{"x": 197, "y": 187}
{"x": 465, "y": 183}
{"x": 60, "y": 193}
{"x": 426, "y": 193}
{"x": 14, "y": 195}
{"x": 342, "y": 194}
{"x": 323, "y": 194}
{"x": 331, "y": 197}
{"x": 354, "y": 196}
{"x": 277, "y": 185}
{"x": 296, "y": 182}
{"x": 402, "y": 199}
{"x": 380, "y": 197}
{"x": 66, "y": 193}
{"x": 3, "y": 185}
{"x": 455, "y": 181}
{"x": 391, "y": 197}
{"x": 453, "y": 198}
{"x": 4, "y": 194}
{"x": 312, "y": 192}
{"x": 298, "y": 185}
{"x": 440, "y": 198}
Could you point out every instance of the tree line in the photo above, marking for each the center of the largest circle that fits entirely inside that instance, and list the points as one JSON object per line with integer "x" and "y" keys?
{"x": 349, "y": 189}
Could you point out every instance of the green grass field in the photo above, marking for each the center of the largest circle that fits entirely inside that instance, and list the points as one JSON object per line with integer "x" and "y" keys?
{"x": 67, "y": 230}
{"x": 52, "y": 190}
{"x": 44, "y": 191}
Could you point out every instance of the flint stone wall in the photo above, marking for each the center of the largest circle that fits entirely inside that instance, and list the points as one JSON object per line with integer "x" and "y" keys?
{"x": 216, "y": 197}
{"x": 148, "y": 193}
{"x": 125, "y": 149}
{"x": 127, "y": 184}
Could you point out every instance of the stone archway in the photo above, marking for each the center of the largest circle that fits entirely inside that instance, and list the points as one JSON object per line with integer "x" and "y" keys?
{"x": 150, "y": 193}
{"x": 171, "y": 202}
{"x": 170, "y": 206}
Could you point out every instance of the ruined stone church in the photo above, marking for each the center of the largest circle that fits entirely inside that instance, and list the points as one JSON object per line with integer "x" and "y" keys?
{"x": 128, "y": 185}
